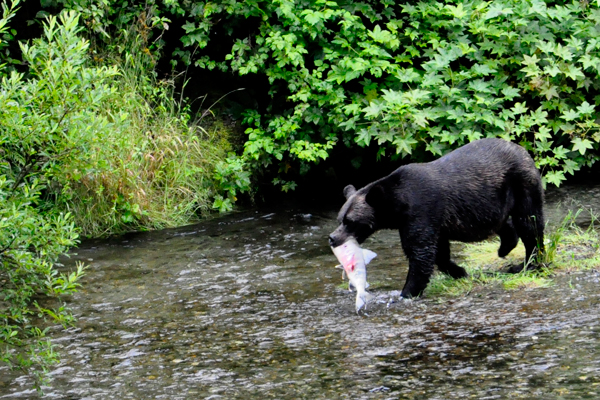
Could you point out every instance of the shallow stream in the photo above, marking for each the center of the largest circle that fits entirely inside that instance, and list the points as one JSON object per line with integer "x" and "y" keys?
{"x": 250, "y": 306}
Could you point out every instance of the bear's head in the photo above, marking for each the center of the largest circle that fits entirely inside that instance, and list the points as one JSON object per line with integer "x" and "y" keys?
{"x": 358, "y": 217}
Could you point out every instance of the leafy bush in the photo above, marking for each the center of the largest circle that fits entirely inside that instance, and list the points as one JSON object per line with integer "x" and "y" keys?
{"x": 167, "y": 167}
{"x": 86, "y": 147}
{"x": 31, "y": 243}
{"x": 37, "y": 135}
{"x": 413, "y": 79}
{"x": 125, "y": 155}
{"x": 53, "y": 120}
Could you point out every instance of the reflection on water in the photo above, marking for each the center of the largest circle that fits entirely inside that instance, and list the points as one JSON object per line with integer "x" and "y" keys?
{"x": 249, "y": 306}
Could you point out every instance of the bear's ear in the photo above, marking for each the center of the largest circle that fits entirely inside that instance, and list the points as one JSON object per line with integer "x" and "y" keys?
{"x": 376, "y": 196}
{"x": 349, "y": 191}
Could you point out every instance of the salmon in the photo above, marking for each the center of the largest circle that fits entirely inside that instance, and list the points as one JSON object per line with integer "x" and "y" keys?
{"x": 354, "y": 260}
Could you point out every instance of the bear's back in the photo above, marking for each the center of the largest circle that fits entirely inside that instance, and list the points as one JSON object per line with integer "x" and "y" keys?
{"x": 485, "y": 161}
{"x": 468, "y": 186}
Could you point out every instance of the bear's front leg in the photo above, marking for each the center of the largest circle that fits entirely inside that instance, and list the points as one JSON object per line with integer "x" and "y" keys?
{"x": 419, "y": 241}
{"x": 420, "y": 269}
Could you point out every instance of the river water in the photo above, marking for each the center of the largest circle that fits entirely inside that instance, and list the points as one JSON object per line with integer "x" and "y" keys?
{"x": 249, "y": 306}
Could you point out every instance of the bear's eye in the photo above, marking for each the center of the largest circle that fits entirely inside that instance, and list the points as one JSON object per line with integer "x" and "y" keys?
{"x": 346, "y": 221}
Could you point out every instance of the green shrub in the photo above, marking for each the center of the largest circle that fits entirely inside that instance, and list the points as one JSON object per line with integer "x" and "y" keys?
{"x": 30, "y": 244}
{"x": 158, "y": 168}
{"x": 53, "y": 119}
{"x": 33, "y": 144}
{"x": 120, "y": 153}
{"x": 86, "y": 147}
{"x": 413, "y": 79}
{"x": 46, "y": 122}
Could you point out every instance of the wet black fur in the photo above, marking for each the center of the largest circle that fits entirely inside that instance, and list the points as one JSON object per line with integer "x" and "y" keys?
{"x": 486, "y": 187}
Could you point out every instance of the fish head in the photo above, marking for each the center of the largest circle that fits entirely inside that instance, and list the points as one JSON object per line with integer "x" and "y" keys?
{"x": 362, "y": 299}
{"x": 350, "y": 255}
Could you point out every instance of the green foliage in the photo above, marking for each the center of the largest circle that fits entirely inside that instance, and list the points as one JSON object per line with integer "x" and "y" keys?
{"x": 41, "y": 130}
{"x": 94, "y": 147}
{"x": 414, "y": 79}
{"x": 231, "y": 178}
{"x": 119, "y": 151}
{"x": 30, "y": 244}
{"x": 51, "y": 120}
{"x": 410, "y": 80}
{"x": 155, "y": 171}
{"x": 103, "y": 19}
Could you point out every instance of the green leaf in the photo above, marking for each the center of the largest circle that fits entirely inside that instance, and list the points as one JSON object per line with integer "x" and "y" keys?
{"x": 549, "y": 91}
{"x": 581, "y": 145}
{"x": 585, "y": 108}
{"x": 483, "y": 69}
{"x": 543, "y": 134}
{"x": 404, "y": 145}
{"x": 497, "y": 9}
{"x": 456, "y": 11}
{"x": 479, "y": 85}
{"x": 363, "y": 138}
{"x": 510, "y": 92}
{"x": 563, "y": 52}
{"x": 519, "y": 108}
{"x": 570, "y": 166}
{"x": 530, "y": 60}
{"x": 570, "y": 115}
{"x": 590, "y": 62}
{"x": 436, "y": 148}
{"x": 574, "y": 72}
{"x": 312, "y": 17}
{"x": 555, "y": 177}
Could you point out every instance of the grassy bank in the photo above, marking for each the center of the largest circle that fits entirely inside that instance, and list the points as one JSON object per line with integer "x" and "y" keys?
{"x": 569, "y": 247}
{"x": 155, "y": 167}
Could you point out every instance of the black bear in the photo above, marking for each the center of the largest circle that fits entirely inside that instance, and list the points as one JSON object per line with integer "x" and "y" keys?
{"x": 487, "y": 187}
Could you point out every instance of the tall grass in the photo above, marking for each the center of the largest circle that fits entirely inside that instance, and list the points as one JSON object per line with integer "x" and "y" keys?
{"x": 576, "y": 248}
{"x": 156, "y": 169}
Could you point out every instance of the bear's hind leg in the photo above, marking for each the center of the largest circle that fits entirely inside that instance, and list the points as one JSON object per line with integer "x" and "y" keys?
{"x": 445, "y": 264}
{"x": 529, "y": 224}
{"x": 508, "y": 238}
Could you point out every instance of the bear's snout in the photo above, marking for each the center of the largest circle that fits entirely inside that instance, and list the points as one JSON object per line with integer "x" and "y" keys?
{"x": 331, "y": 241}
{"x": 337, "y": 237}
